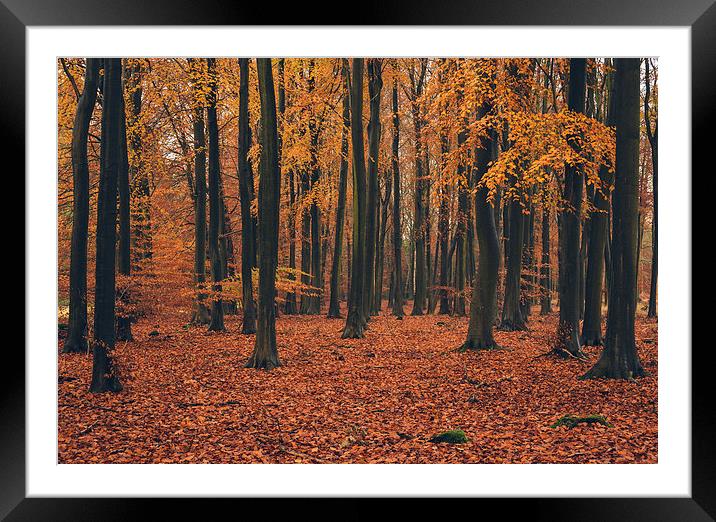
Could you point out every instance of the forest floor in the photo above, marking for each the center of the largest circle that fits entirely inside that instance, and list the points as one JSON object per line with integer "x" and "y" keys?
{"x": 188, "y": 399}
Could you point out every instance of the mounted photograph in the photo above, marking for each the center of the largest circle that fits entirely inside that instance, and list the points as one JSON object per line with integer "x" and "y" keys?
{"x": 353, "y": 260}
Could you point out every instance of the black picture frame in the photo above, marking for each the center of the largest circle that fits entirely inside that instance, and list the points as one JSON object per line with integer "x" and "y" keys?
{"x": 16, "y": 15}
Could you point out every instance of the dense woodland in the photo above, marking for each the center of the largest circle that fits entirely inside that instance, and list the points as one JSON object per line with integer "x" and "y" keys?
{"x": 221, "y": 215}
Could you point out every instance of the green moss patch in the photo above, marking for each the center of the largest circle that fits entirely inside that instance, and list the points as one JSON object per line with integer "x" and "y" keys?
{"x": 571, "y": 420}
{"x": 451, "y": 437}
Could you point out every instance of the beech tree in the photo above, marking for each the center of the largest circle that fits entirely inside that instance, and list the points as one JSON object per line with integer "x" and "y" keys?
{"x": 246, "y": 189}
{"x": 619, "y": 359}
{"x": 201, "y": 315}
{"x": 397, "y": 234}
{"x": 652, "y": 133}
{"x": 334, "y": 309}
{"x": 215, "y": 202}
{"x": 567, "y": 340}
{"x": 356, "y": 320}
{"x": 104, "y": 374}
{"x": 76, "y": 340}
{"x": 265, "y": 354}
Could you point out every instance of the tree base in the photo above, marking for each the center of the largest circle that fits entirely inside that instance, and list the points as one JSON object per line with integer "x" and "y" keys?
{"x": 353, "y": 331}
{"x": 108, "y": 383}
{"x": 511, "y": 326}
{"x": 478, "y": 344}
{"x": 592, "y": 340}
{"x": 262, "y": 363}
{"x": 124, "y": 329}
{"x": 74, "y": 345}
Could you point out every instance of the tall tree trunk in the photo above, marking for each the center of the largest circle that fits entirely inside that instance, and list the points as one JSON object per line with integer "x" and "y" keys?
{"x": 512, "y": 318}
{"x": 419, "y": 300}
{"x": 598, "y": 231}
{"x": 380, "y": 251}
{"x": 461, "y": 231}
{"x": 397, "y": 232}
{"x": 484, "y": 294}
{"x": 124, "y": 261}
{"x": 290, "y": 303}
{"x": 567, "y": 340}
{"x": 619, "y": 359}
{"x": 443, "y": 233}
{"x": 375, "y": 84}
{"x": 265, "y": 354}
{"x": 138, "y": 175}
{"x": 334, "y": 308}
{"x": 314, "y": 301}
{"x": 104, "y": 376}
{"x": 355, "y": 322}
{"x": 246, "y": 189}
{"x": 305, "y": 245}
{"x": 653, "y": 136}
{"x": 76, "y": 341}
{"x": 545, "y": 269}
{"x": 215, "y": 203}
{"x": 201, "y": 314}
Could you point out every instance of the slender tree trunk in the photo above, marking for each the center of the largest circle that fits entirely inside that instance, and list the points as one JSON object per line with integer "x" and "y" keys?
{"x": 201, "y": 314}
{"x": 124, "y": 261}
{"x": 76, "y": 341}
{"x": 546, "y": 269}
{"x": 420, "y": 222}
{"x": 246, "y": 188}
{"x": 598, "y": 231}
{"x": 397, "y": 232}
{"x": 375, "y": 85}
{"x": 443, "y": 233}
{"x": 484, "y": 294}
{"x": 290, "y": 304}
{"x": 104, "y": 376}
{"x": 265, "y": 354}
{"x": 652, "y": 134}
{"x": 334, "y": 308}
{"x": 138, "y": 175}
{"x": 380, "y": 253}
{"x": 355, "y": 322}
{"x": 305, "y": 245}
{"x": 567, "y": 340}
{"x": 512, "y": 318}
{"x": 215, "y": 203}
{"x": 314, "y": 301}
{"x": 619, "y": 359}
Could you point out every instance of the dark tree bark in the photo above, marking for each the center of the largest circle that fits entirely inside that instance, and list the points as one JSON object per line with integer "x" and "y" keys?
{"x": 201, "y": 314}
{"x": 652, "y": 134}
{"x": 375, "y": 86}
{"x": 314, "y": 300}
{"x": 290, "y": 303}
{"x": 512, "y": 318}
{"x": 334, "y": 308}
{"x": 76, "y": 341}
{"x": 461, "y": 232}
{"x": 104, "y": 376}
{"x": 545, "y": 269}
{"x": 397, "y": 233}
{"x": 138, "y": 175}
{"x": 305, "y": 245}
{"x": 598, "y": 231}
{"x": 484, "y": 294}
{"x": 246, "y": 189}
{"x": 380, "y": 252}
{"x": 419, "y": 300}
{"x": 619, "y": 359}
{"x": 215, "y": 203}
{"x": 355, "y": 322}
{"x": 443, "y": 233}
{"x": 265, "y": 354}
{"x": 567, "y": 341}
{"x": 124, "y": 261}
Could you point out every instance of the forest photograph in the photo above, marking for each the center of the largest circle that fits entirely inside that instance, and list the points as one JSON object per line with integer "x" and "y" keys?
{"x": 357, "y": 260}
